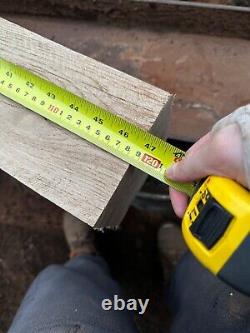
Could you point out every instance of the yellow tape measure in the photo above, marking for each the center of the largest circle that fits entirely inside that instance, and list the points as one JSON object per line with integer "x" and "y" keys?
{"x": 98, "y": 126}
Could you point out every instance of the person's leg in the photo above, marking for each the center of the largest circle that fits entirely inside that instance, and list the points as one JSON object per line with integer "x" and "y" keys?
{"x": 68, "y": 298}
{"x": 200, "y": 302}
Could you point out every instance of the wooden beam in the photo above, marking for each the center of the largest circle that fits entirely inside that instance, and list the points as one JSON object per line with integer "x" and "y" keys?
{"x": 80, "y": 178}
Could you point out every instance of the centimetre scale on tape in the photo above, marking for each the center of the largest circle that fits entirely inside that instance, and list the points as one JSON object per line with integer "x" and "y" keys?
{"x": 92, "y": 123}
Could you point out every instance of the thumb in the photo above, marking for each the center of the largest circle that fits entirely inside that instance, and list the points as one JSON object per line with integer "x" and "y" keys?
{"x": 195, "y": 164}
{"x": 218, "y": 154}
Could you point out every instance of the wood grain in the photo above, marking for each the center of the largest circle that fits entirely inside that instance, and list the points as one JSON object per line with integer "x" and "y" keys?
{"x": 80, "y": 178}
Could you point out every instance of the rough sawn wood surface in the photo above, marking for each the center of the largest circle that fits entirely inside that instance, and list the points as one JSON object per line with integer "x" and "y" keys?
{"x": 91, "y": 184}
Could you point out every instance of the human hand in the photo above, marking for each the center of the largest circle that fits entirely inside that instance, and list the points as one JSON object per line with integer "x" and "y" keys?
{"x": 217, "y": 153}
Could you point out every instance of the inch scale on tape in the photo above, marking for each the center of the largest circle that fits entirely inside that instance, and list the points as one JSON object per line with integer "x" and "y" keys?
{"x": 94, "y": 124}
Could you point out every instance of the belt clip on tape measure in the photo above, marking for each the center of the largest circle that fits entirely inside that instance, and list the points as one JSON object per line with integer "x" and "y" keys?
{"x": 216, "y": 228}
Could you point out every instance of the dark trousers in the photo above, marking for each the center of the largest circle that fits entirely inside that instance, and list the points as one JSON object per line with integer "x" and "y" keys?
{"x": 67, "y": 299}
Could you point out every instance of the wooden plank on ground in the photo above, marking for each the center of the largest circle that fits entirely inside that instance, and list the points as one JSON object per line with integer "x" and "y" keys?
{"x": 186, "y": 16}
{"x": 80, "y": 178}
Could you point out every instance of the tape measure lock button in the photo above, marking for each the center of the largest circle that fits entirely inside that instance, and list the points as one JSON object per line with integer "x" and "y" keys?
{"x": 211, "y": 223}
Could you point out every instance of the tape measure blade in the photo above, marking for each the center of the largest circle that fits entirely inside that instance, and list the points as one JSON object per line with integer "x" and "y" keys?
{"x": 98, "y": 126}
